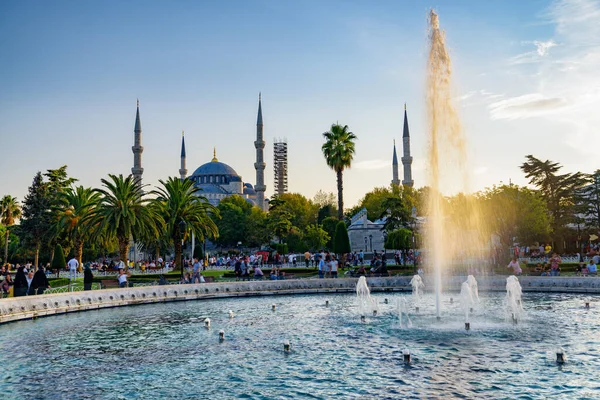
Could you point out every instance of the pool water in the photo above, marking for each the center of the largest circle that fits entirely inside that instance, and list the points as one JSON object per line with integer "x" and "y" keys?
{"x": 163, "y": 351}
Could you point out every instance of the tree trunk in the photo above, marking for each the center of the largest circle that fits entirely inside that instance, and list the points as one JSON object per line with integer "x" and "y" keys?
{"x": 124, "y": 250}
{"x": 340, "y": 188}
{"x": 178, "y": 253}
{"x": 79, "y": 251}
{"x": 157, "y": 255}
{"x": 37, "y": 254}
{"x": 6, "y": 247}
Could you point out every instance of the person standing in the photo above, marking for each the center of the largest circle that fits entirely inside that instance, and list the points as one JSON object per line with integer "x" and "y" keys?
{"x": 554, "y": 265}
{"x": 40, "y": 281}
{"x": 73, "y": 265}
{"x": 88, "y": 278}
{"x": 30, "y": 290}
{"x": 334, "y": 267}
{"x": 321, "y": 266}
{"x": 20, "y": 286}
{"x": 307, "y": 258}
{"x": 196, "y": 271}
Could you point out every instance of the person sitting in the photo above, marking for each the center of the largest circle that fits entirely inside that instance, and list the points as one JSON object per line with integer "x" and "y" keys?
{"x": 282, "y": 276}
{"x": 186, "y": 278}
{"x": 274, "y": 276}
{"x": 361, "y": 271}
{"x": 584, "y": 270}
{"x": 258, "y": 274}
{"x": 592, "y": 268}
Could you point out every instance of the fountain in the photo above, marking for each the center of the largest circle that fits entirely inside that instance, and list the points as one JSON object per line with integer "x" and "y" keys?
{"x": 231, "y": 314}
{"x": 207, "y": 323}
{"x": 466, "y": 302}
{"x": 514, "y": 307}
{"x": 453, "y": 235}
{"x": 366, "y": 303}
{"x": 221, "y": 335}
{"x": 403, "y": 316}
{"x": 406, "y": 356}
{"x": 417, "y": 290}
{"x": 287, "y": 347}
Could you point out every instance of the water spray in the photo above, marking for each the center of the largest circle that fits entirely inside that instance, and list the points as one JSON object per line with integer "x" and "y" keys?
{"x": 231, "y": 314}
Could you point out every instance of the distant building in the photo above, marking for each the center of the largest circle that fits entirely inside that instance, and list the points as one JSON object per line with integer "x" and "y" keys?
{"x": 280, "y": 167}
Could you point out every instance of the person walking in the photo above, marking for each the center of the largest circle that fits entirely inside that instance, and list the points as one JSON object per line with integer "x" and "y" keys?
{"x": 88, "y": 278}
{"x": 20, "y": 286}
{"x": 40, "y": 281}
{"x": 29, "y": 277}
{"x": 196, "y": 271}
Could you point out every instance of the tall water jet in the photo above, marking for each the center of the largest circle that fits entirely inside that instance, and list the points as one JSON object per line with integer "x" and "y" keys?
{"x": 466, "y": 302}
{"x": 403, "y": 317}
{"x": 453, "y": 231}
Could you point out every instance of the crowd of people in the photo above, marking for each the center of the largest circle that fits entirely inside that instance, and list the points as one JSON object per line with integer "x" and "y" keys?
{"x": 26, "y": 282}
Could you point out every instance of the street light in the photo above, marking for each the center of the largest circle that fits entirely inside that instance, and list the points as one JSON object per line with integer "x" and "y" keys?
{"x": 385, "y": 234}
{"x": 182, "y": 231}
{"x": 366, "y": 245}
{"x": 371, "y": 241}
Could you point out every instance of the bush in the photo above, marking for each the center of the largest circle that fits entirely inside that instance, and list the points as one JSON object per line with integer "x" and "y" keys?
{"x": 341, "y": 242}
{"x": 281, "y": 248}
{"x": 58, "y": 282}
{"x": 59, "y": 262}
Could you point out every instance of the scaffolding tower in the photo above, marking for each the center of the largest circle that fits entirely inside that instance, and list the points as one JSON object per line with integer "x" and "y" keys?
{"x": 280, "y": 164}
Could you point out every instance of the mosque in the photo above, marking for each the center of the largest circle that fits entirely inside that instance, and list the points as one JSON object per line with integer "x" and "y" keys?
{"x": 216, "y": 179}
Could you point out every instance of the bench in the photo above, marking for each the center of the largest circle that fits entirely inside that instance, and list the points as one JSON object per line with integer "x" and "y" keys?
{"x": 109, "y": 283}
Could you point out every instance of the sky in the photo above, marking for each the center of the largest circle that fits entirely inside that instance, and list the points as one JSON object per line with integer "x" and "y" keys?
{"x": 525, "y": 80}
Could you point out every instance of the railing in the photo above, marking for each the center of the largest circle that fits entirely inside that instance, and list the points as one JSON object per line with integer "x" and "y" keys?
{"x": 70, "y": 288}
{"x": 545, "y": 259}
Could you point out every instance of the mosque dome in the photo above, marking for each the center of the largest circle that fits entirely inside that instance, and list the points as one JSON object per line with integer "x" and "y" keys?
{"x": 248, "y": 189}
{"x": 215, "y": 168}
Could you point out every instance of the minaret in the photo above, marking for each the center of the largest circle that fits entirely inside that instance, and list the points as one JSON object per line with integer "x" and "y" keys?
{"x": 183, "y": 169}
{"x": 406, "y": 159}
{"x": 395, "y": 180}
{"x": 259, "y": 165}
{"x": 137, "y": 148}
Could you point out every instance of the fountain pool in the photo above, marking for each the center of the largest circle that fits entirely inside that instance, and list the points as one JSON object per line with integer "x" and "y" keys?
{"x": 164, "y": 350}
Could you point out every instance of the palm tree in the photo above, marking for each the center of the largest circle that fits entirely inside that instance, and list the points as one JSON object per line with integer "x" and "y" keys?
{"x": 179, "y": 201}
{"x": 123, "y": 213}
{"x": 338, "y": 150}
{"x": 9, "y": 211}
{"x": 76, "y": 209}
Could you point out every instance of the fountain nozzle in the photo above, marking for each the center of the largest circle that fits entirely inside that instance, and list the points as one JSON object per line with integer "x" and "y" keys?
{"x": 286, "y": 346}
{"x": 374, "y": 312}
{"x": 514, "y": 319}
{"x": 417, "y": 309}
{"x": 221, "y": 335}
{"x": 406, "y": 356}
{"x": 385, "y": 301}
{"x": 587, "y": 304}
{"x": 363, "y": 318}
{"x": 326, "y": 303}
{"x": 560, "y": 356}
{"x": 467, "y": 326}
{"x": 231, "y": 314}
{"x": 451, "y": 300}
{"x": 273, "y": 307}
{"x": 207, "y": 323}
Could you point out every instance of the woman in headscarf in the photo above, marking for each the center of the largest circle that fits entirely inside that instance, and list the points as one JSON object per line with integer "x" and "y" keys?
{"x": 40, "y": 281}
{"x": 20, "y": 285}
{"x": 88, "y": 278}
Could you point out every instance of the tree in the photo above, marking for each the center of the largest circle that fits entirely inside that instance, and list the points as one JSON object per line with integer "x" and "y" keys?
{"x": 279, "y": 219}
{"x": 316, "y": 237}
{"x": 75, "y": 211}
{"x": 589, "y": 202}
{"x": 257, "y": 233}
{"x": 123, "y": 213}
{"x": 180, "y": 201}
{"x": 399, "y": 239}
{"x": 233, "y": 211}
{"x": 515, "y": 213}
{"x": 302, "y": 210}
{"x": 36, "y": 214}
{"x": 9, "y": 212}
{"x": 329, "y": 225}
{"x": 558, "y": 190}
{"x": 338, "y": 150}
{"x": 341, "y": 242}
{"x": 58, "y": 262}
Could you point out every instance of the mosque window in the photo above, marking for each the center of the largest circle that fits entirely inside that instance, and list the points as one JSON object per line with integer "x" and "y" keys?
{"x": 211, "y": 179}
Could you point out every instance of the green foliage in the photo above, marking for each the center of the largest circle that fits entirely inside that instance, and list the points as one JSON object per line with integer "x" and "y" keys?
{"x": 281, "y": 248}
{"x": 400, "y": 239}
{"x": 329, "y": 225}
{"x": 588, "y": 201}
{"x": 557, "y": 190}
{"x": 58, "y": 262}
{"x": 10, "y": 210}
{"x": 36, "y": 219}
{"x": 338, "y": 150}
{"x": 198, "y": 253}
{"x": 257, "y": 233}
{"x": 512, "y": 211}
{"x": 316, "y": 237}
{"x": 58, "y": 282}
{"x": 295, "y": 241}
{"x": 341, "y": 241}
{"x": 179, "y": 201}
{"x": 123, "y": 213}
{"x": 279, "y": 219}
{"x": 302, "y": 210}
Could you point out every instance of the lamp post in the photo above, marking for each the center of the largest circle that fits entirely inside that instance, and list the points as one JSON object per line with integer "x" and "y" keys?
{"x": 385, "y": 234}
{"x": 366, "y": 245}
{"x": 371, "y": 241}
{"x": 414, "y": 241}
{"x": 182, "y": 231}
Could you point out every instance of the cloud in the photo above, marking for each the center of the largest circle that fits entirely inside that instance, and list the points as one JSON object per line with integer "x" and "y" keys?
{"x": 369, "y": 165}
{"x": 525, "y": 106}
{"x": 543, "y": 47}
